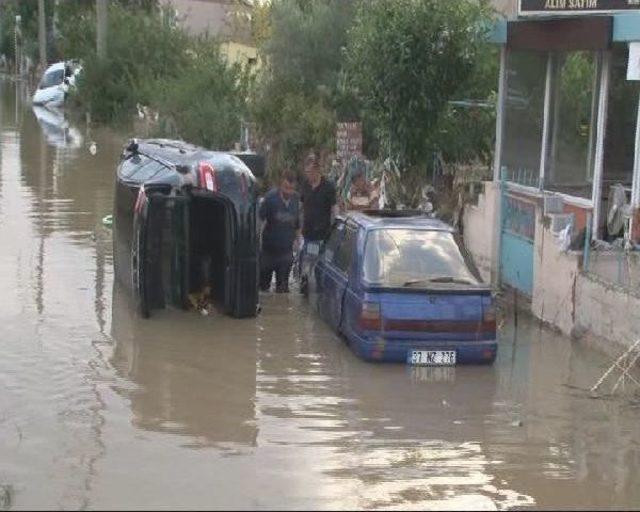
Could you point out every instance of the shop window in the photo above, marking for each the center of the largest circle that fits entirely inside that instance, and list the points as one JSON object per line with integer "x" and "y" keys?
{"x": 619, "y": 141}
{"x": 572, "y": 124}
{"x": 524, "y": 112}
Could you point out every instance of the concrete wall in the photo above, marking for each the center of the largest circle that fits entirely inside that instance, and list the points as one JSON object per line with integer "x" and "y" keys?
{"x": 479, "y": 224}
{"x": 239, "y": 53}
{"x": 554, "y": 279}
{"x": 203, "y": 16}
{"x": 606, "y": 312}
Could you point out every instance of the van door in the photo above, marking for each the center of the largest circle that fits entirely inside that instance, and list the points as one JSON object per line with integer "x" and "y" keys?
{"x": 337, "y": 276}
{"x": 159, "y": 256}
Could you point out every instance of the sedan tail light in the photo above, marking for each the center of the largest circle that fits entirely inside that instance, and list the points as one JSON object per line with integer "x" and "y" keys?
{"x": 370, "y": 317}
{"x": 489, "y": 317}
{"x": 207, "y": 177}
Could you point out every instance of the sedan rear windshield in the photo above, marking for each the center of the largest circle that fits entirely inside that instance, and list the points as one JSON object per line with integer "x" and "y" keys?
{"x": 52, "y": 78}
{"x": 416, "y": 258}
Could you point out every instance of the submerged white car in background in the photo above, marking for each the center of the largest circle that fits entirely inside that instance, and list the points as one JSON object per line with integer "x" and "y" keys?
{"x": 55, "y": 84}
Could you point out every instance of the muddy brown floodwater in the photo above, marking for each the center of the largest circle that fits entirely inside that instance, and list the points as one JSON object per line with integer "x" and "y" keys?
{"x": 100, "y": 409}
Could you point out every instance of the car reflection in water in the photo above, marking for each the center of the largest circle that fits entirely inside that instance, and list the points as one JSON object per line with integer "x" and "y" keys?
{"x": 190, "y": 378}
{"x": 430, "y": 438}
{"x": 56, "y": 128}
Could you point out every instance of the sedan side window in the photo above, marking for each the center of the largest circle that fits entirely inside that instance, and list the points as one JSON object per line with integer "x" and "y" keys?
{"x": 345, "y": 250}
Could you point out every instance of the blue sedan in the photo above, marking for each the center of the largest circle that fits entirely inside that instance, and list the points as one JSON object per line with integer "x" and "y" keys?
{"x": 400, "y": 287}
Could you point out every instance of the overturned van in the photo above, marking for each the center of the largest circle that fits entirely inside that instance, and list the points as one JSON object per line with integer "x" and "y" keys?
{"x": 184, "y": 223}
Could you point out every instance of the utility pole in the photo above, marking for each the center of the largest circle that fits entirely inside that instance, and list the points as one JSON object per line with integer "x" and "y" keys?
{"x": 101, "y": 32}
{"x": 17, "y": 46}
{"x": 42, "y": 34}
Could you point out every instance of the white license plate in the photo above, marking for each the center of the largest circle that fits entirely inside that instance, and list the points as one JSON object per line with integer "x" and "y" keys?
{"x": 432, "y": 357}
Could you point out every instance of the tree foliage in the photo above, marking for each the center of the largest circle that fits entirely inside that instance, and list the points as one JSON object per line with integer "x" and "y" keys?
{"x": 298, "y": 96}
{"x": 406, "y": 60}
{"x": 205, "y": 102}
{"x": 28, "y": 12}
{"x": 143, "y": 48}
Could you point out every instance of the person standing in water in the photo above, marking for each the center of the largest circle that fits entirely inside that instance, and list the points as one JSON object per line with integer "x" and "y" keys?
{"x": 318, "y": 207}
{"x": 280, "y": 213}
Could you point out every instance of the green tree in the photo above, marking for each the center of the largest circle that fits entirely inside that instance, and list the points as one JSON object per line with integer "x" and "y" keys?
{"x": 28, "y": 11}
{"x": 406, "y": 60}
{"x": 299, "y": 94}
{"x": 205, "y": 103}
{"x": 145, "y": 47}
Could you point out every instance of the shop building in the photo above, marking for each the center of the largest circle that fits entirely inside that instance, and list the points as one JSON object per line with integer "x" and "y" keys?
{"x": 560, "y": 221}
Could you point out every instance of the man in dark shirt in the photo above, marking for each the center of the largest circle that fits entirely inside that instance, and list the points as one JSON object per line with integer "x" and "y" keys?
{"x": 318, "y": 205}
{"x": 280, "y": 212}
{"x": 318, "y": 201}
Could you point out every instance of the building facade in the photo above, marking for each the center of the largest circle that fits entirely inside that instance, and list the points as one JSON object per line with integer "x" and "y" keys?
{"x": 222, "y": 19}
{"x": 560, "y": 221}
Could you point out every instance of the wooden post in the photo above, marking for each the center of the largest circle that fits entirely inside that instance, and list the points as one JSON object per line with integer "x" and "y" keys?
{"x": 101, "y": 28}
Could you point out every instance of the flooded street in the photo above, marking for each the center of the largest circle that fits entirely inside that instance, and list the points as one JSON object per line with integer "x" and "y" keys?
{"x": 101, "y": 409}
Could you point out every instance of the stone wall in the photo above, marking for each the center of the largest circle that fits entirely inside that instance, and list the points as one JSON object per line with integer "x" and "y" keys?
{"x": 606, "y": 312}
{"x": 554, "y": 279}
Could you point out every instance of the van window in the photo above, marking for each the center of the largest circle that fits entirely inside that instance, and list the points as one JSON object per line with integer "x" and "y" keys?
{"x": 413, "y": 257}
{"x": 52, "y": 78}
{"x": 345, "y": 250}
{"x": 333, "y": 241}
{"x": 148, "y": 171}
{"x": 130, "y": 166}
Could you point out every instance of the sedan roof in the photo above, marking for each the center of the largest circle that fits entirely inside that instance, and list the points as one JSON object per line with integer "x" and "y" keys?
{"x": 370, "y": 219}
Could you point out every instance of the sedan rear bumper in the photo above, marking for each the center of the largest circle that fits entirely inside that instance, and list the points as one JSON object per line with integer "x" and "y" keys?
{"x": 398, "y": 350}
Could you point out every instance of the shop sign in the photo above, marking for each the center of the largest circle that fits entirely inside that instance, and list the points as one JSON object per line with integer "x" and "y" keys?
{"x": 576, "y": 7}
{"x": 348, "y": 140}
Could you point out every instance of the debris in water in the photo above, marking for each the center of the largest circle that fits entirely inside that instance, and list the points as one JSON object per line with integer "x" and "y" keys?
{"x": 624, "y": 363}
{"x": 201, "y": 301}
{"x": 517, "y": 423}
{"x": 93, "y": 148}
{"x": 107, "y": 220}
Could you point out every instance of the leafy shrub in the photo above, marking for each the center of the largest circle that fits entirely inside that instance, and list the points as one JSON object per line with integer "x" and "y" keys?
{"x": 142, "y": 49}
{"x": 205, "y": 102}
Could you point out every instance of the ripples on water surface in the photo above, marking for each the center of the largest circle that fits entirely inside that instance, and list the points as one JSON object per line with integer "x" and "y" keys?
{"x": 99, "y": 409}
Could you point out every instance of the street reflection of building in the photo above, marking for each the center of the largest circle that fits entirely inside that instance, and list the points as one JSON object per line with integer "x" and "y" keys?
{"x": 567, "y": 139}
{"x": 193, "y": 376}
{"x": 553, "y": 440}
